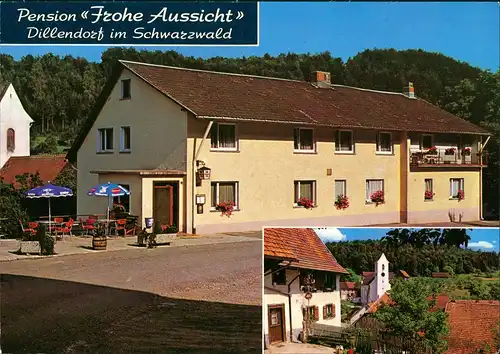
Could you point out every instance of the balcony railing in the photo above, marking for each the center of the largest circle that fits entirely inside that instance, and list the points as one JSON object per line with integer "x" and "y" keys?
{"x": 447, "y": 157}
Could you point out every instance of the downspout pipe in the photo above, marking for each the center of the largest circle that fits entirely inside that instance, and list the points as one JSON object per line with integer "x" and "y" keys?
{"x": 481, "y": 211}
{"x": 290, "y": 307}
{"x": 193, "y": 176}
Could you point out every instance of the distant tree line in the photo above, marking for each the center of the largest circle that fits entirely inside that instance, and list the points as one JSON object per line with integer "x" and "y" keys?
{"x": 59, "y": 92}
{"x": 418, "y": 255}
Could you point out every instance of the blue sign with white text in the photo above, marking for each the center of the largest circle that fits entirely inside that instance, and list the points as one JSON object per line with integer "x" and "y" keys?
{"x": 129, "y": 23}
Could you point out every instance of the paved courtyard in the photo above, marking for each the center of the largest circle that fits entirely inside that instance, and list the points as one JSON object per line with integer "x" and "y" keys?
{"x": 203, "y": 297}
{"x": 298, "y": 348}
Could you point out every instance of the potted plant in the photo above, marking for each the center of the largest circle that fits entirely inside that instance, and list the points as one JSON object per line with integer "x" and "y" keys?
{"x": 29, "y": 244}
{"x": 467, "y": 152}
{"x": 118, "y": 211}
{"x": 428, "y": 195}
{"x": 47, "y": 242}
{"x": 450, "y": 151}
{"x": 99, "y": 239}
{"x": 432, "y": 151}
{"x": 460, "y": 195}
{"x": 226, "y": 208}
{"x": 306, "y": 203}
{"x": 342, "y": 202}
{"x": 449, "y": 155}
{"x": 377, "y": 198}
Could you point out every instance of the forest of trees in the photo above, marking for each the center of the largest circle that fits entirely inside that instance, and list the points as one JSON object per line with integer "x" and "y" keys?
{"x": 59, "y": 92}
{"x": 419, "y": 252}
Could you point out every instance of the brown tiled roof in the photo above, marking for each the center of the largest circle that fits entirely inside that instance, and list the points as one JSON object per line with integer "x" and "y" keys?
{"x": 303, "y": 245}
{"x": 347, "y": 285}
{"x": 385, "y": 299}
{"x": 49, "y": 167}
{"x": 209, "y": 94}
{"x": 471, "y": 324}
{"x": 441, "y": 301}
{"x": 213, "y": 94}
{"x": 441, "y": 275}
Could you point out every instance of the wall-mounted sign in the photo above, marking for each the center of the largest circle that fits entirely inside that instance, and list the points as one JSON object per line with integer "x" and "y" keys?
{"x": 204, "y": 173}
{"x": 308, "y": 296}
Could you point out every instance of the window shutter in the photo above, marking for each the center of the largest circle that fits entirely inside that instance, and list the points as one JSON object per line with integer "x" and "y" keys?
{"x": 333, "y": 311}
{"x": 325, "y": 315}
{"x": 316, "y": 313}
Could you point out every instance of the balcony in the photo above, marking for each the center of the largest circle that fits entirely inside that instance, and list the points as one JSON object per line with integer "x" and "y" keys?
{"x": 449, "y": 157}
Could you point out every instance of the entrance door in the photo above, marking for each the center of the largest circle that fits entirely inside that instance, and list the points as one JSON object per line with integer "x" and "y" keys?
{"x": 276, "y": 324}
{"x": 163, "y": 205}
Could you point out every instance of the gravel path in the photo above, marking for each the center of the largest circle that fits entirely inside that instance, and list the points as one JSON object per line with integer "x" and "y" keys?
{"x": 186, "y": 299}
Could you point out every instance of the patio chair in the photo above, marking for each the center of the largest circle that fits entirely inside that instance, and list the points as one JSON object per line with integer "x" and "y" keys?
{"x": 30, "y": 230}
{"x": 121, "y": 225}
{"x": 88, "y": 225}
{"x": 66, "y": 229}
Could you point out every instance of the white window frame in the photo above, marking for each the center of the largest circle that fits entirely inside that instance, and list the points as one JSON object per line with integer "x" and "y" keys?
{"x": 368, "y": 200}
{"x": 236, "y": 192}
{"x": 379, "y": 146}
{"x": 297, "y": 191}
{"x": 122, "y": 85}
{"x": 101, "y": 134}
{"x": 122, "y": 139}
{"x": 461, "y": 186}
{"x": 236, "y": 140}
{"x": 422, "y": 140}
{"x": 304, "y": 151}
{"x": 344, "y": 187}
{"x": 337, "y": 138}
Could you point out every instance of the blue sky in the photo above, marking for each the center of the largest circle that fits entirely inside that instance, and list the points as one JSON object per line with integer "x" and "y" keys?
{"x": 467, "y": 31}
{"x": 485, "y": 239}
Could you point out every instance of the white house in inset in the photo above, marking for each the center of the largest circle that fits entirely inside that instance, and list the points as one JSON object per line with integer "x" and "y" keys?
{"x": 375, "y": 284}
{"x": 14, "y": 125}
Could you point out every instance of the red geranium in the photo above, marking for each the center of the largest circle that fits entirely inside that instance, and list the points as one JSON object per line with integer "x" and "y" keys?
{"x": 226, "y": 208}
{"x": 306, "y": 203}
{"x": 342, "y": 202}
{"x": 377, "y": 197}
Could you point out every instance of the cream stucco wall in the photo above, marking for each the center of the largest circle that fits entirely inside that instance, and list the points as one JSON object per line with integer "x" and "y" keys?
{"x": 437, "y": 210}
{"x": 276, "y": 294}
{"x": 158, "y": 139}
{"x": 266, "y": 167}
{"x": 13, "y": 115}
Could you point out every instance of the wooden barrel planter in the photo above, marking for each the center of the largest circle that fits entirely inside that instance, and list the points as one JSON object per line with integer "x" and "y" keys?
{"x": 99, "y": 243}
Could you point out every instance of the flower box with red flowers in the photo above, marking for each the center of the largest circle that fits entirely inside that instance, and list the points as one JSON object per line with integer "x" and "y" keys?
{"x": 429, "y": 195}
{"x": 432, "y": 151}
{"x": 466, "y": 151}
{"x": 306, "y": 203}
{"x": 450, "y": 151}
{"x": 377, "y": 197}
{"x": 342, "y": 202}
{"x": 226, "y": 208}
{"x": 460, "y": 195}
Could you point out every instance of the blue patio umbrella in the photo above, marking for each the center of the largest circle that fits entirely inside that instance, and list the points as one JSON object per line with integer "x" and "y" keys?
{"x": 109, "y": 190}
{"x": 49, "y": 191}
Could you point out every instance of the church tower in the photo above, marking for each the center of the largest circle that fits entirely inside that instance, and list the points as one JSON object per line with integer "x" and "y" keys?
{"x": 382, "y": 276}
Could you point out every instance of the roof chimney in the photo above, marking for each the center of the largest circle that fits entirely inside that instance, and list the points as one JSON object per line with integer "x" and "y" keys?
{"x": 321, "y": 79}
{"x": 411, "y": 90}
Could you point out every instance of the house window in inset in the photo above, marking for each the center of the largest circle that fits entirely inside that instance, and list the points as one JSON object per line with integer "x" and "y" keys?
{"x": 384, "y": 143}
{"x": 123, "y": 200}
{"x": 340, "y": 187}
{"x": 429, "y": 189}
{"x": 125, "y": 89}
{"x": 305, "y": 189}
{"x": 223, "y": 137}
{"x": 105, "y": 140}
{"x": 344, "y": 141}
{"x": 125, "y": 139}
{"x": 426, "y": 141}
{"x": 373, "y": 186}
{"x": 328, "y": 311}
{"x": 311, "y": 313}
{"x": 456, "y": 188}
{"x": 224, "y": 192}
{"x": 330, "y": 282}
{"x": 11, "y": 140}
{"x": 303, "y": 140}
{"x": 279, "y": 277}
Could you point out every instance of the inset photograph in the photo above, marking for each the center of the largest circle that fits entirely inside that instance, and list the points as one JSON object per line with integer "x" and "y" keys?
{"x": 374, "y": 290}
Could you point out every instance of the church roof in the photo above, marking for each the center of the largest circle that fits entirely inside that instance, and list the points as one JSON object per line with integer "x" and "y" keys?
{"x": 3, "y": 89}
